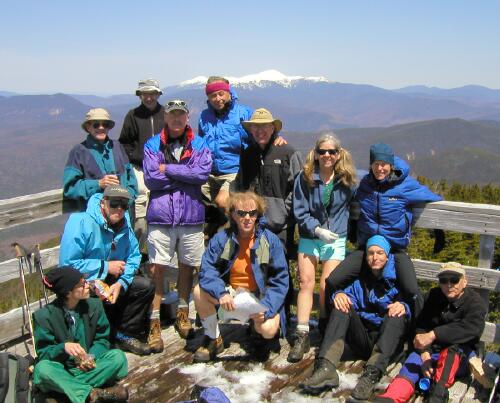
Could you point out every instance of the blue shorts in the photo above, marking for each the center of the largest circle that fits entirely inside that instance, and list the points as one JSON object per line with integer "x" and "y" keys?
{"x": 321, "y": 250}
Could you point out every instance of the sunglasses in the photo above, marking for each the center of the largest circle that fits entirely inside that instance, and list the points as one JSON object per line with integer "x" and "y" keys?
{"x": 243, "y": 213}
{"x": 449, "y": 280}
{"x": 176, "y": 102}
{"x": 106, "y": 124}
{"x": 113, "y": 203}
{"x": 322, "y": 151}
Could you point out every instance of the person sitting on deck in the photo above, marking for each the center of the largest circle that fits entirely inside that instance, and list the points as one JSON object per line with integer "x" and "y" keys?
{"x": 72, "y": 343}
{"x": 448, "y": 330}
{"x": 246, "y": 256}
{"x": 101, "y": 244}
{"x": 174, "y": 170}
{"x": 97, "y": 162}
{"x": 370, "y": 316}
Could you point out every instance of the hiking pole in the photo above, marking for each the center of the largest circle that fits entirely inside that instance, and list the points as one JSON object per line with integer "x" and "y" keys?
{"x": 22, "y": 256}
{"x": 37, "y": 258}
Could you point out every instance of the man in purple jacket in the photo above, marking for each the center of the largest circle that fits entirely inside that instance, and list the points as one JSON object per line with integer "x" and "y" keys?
{"x": 175, "y": 167}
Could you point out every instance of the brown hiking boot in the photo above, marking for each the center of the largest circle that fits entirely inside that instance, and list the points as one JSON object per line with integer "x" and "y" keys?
{"x": 154, "y": 339}
{"x": 209, "y": 349}
{"x": 183, "y": 324}
{"x": 113, "y": 394}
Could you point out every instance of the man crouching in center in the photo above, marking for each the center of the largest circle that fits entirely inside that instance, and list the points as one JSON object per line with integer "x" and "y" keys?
{"x": 371, "y": 316}
{"x": 243, "y": 256}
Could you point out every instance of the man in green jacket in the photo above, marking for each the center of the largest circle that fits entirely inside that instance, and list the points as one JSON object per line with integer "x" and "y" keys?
{"x": 72, "y": 343}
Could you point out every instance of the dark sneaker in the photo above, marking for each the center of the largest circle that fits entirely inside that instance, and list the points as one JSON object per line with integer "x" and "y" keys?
{"x": 366, "y": 384}
{"x": 113, "y": 394}
{"x": 183, "y": 324}
{"x": 209, "y": 349}
{"x": 323, "y": 378}
{"x": 301, "y": 346}
{"x": 155, "y": 341}
{"x": 133, "y": 345}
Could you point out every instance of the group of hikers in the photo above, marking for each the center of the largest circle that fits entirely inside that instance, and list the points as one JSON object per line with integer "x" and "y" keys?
{"x": 144, "y": 199}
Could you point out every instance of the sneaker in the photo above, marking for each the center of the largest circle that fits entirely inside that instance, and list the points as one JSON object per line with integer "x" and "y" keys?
{"x": 155, "y": 341}
{"x": 324, "y": 377}
{"x": 183, "y": 324}
{"x": 366, "y": 384}
{"x": 301, "y": 346}
{"x": 113, "y": 394}
{"x": 209, "y": 349}
{"x": 131, "y": 344}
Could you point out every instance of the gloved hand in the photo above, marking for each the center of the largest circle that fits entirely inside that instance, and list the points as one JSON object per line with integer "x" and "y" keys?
{"x": 325, "y": 235}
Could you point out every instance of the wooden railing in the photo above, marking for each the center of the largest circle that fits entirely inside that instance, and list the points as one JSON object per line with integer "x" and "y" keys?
{"x": 482, "y": 219}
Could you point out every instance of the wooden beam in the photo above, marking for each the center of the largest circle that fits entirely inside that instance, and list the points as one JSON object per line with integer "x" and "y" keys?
{"x": 491, "y": 333}
{"x": 9, "y": 269}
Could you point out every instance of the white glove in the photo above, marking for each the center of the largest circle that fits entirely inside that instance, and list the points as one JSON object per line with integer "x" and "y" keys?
{"x": 325, "y": 235}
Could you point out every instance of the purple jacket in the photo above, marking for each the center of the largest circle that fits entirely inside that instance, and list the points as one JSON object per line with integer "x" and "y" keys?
{"x": 175, "y": 197}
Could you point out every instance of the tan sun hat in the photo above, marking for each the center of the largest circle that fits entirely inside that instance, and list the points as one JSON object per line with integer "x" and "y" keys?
{"x": 451, "y": 267}
{"x": 97, "y": 114}
{"x": 262, "y": 116}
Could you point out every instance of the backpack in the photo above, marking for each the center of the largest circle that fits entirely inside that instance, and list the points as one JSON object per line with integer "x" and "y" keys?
{"x": 14, "y": 378}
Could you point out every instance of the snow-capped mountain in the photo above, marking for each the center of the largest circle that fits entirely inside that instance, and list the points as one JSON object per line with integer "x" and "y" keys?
{"x": 261, "y": 80}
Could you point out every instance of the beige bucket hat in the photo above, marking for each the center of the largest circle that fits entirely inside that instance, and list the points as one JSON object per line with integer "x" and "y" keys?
{"x": 452, "y": 268}
{"x": 97, "y": 114}
{"x": 262, "y": 116}
{"x": 148, "y": 85}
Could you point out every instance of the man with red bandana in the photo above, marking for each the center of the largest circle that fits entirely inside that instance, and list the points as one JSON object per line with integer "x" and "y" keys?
{"x": 174, "y": 171}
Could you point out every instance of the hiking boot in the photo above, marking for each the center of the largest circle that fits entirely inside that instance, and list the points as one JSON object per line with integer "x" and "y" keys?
{"x": 113, "y": 394}
{"x": 208, "y": 349}
{"x": 133, "y": 345}
{"x": 366, "y": 384}
{"x": 155, "y": 341}
{"x": 301, "y": 346}
{"x": 183, "y": 324}
{"x": 323, "y": 378}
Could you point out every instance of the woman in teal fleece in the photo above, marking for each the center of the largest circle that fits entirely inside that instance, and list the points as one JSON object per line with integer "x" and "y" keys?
{"x": 72, "y": 343}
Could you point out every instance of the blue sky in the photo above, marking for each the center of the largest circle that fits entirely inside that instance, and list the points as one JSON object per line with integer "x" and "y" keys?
{"x": 106, "y": 46}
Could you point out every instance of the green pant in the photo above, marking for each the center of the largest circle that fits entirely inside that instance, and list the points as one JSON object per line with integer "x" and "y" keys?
{"x": 52, "y": 376}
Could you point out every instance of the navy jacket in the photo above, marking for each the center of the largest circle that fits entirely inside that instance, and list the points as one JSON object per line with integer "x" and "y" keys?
{"x": 385, "y": 206}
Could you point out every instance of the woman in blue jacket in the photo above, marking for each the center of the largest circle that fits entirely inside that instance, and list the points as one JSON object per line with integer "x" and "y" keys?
{"x": 321, "y": 198}
{"x": 386, "y": 196}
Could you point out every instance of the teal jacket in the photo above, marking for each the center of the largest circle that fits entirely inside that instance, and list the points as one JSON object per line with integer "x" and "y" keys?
{"x": 52, "y": 330}
{"x": 88, "y": 244}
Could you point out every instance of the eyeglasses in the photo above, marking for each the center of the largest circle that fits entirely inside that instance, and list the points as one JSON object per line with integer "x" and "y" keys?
{"x": 115, "y": 203}
{"x": 105, "y": 123}
{"x": 322, "y": 151}
{"x": 449, "y": 280}
{"x": 243, "y": 213}
{"x": 176, "y": 102}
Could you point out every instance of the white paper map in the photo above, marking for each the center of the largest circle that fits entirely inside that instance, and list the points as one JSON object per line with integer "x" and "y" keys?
{"x": 246, "y": 304}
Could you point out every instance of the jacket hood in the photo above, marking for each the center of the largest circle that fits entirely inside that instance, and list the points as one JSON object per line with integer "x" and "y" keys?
{"x": 94, "y": 210}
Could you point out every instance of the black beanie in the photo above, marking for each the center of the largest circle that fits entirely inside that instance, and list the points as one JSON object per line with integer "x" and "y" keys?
{"x": 62, "y": 279}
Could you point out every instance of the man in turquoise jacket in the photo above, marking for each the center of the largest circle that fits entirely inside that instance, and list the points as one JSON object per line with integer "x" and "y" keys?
{"x": 72, "y": 343}
{"x": 101, "y": 244}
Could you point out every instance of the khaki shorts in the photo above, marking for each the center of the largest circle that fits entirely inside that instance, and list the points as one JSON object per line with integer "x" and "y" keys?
{"x": 215, "y": 184}
{"x": 164, "y": 241}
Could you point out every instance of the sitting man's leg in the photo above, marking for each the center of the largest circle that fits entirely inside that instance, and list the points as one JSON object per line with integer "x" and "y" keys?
{"x": 391, "y": 337}
{"x": 212, "y": 342}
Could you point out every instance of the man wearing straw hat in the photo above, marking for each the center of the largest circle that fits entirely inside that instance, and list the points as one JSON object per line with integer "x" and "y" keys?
{"x": 448, "y": 330}
{"x": 97, "y": 162}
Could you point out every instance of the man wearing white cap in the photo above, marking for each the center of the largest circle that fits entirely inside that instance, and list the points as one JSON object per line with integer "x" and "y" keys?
{"x": 448, "y": 330}
{"x": 139, "y": 125}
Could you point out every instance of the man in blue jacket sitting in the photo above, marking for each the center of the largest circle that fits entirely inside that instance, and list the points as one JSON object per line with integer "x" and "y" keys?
{"x": 101, "y": 244}
{"x": 370, "y": 316}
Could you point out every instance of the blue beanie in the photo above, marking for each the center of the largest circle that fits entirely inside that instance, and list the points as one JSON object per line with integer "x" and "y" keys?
{"x": 381, "y": 152}
{"x": 379, "y": 241}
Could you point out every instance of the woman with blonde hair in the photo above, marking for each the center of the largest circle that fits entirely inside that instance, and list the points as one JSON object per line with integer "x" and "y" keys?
{"x": 322, "y": 194}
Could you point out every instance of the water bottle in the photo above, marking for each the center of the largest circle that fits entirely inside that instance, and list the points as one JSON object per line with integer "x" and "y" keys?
{"x": 424, "y": 384}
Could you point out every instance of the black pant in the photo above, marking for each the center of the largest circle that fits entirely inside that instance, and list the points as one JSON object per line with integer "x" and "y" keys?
{"x": 377, "y": 345}
{"x": 350, "y": 268}
{"x": 130, "y": 314}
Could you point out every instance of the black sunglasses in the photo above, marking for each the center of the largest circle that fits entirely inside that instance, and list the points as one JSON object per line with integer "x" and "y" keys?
{"x": 176, "y": 102}
{"x": 451, "y": 280}
{"x": 114, "y": 203}
{"x": 243, "y": 213}
{"x": 322, "y": 151}
{"x": 106, "y": 124}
